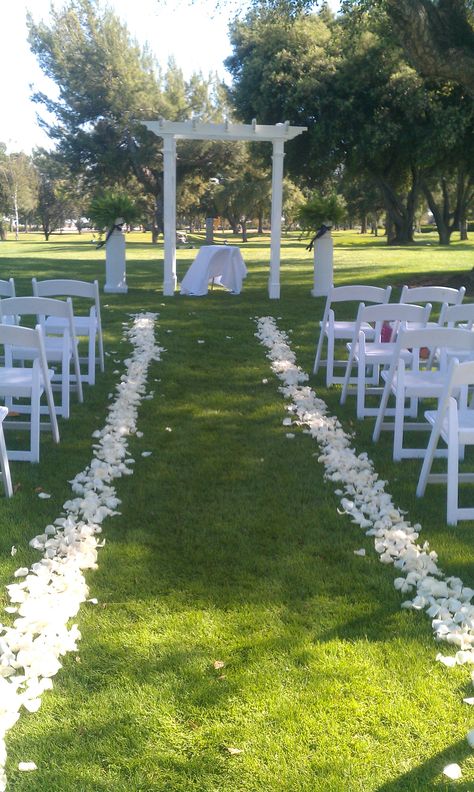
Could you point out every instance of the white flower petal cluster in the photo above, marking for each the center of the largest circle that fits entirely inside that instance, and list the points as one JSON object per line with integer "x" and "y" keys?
{"x": 446, "y": 600}
{"x": 47, "y": 596}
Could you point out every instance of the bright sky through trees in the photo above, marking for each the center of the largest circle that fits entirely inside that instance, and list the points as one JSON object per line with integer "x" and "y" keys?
{"x": 195, "y": 34}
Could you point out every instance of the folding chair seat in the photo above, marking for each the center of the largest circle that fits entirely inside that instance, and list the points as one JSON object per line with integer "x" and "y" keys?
{"x": 409, "y": 380}
{"x": 60, "y": 348}
{"x": 453, "y": 422}
{"x": 30, "y": 383}
{"x": 4, "y": 464}
{"x": 87, "y": 326}
{"x": 334, "y": 329}
{"x": 369, "y": 356}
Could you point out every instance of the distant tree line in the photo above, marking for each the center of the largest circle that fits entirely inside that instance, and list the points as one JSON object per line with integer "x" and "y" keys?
{"x": 386, "y": 89}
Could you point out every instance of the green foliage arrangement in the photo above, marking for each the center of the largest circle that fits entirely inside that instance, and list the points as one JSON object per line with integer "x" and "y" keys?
{"x": 321, "y": 209}
{"x": 109, "y": 206}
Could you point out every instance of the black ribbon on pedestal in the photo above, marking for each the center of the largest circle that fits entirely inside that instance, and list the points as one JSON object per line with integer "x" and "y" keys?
{"x": 321, "y": 231}
{"x": 116, "y": 227}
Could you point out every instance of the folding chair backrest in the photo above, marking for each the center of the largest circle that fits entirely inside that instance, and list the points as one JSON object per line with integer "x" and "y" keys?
{"x": 68, "y": 288}
{"x": 455, "y": 315}
{"x": 37, "y": 306}
{"x": 14, "y": 336}
{"x": 437, "y": 338}
{"x": 432, "y": 294}
{"x": 461, "y": 373}
{"x": 7, "y": 288}
{"x": 397, "y": 313}
{"x": 358, "y": 293}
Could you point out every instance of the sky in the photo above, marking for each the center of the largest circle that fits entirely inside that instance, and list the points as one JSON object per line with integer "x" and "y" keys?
{"x": 194, "y": 34}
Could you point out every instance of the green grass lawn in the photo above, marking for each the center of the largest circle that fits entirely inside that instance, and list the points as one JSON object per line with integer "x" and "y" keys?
{"x": 229, "y": 547}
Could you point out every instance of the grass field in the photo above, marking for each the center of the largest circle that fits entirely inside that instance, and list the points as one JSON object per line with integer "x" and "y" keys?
{"x": 229, "y": 547}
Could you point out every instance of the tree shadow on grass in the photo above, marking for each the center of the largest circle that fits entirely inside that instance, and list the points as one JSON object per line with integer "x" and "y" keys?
{"x": 428, "y": 776}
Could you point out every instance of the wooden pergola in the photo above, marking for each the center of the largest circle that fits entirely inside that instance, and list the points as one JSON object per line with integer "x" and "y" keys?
{"x": 171, "y": 131}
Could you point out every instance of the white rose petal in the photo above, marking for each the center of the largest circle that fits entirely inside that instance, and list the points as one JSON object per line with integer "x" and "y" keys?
{"x": 452, "y": 771}
{"x": 26, "y": 767}
{"x": 360, "y": 552}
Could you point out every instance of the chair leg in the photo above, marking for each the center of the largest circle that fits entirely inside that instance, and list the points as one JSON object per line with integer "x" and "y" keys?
{"x": 5, "y": 466}
{"x": 52, "y": 411}
{"x": 91, "y": 360}
{"x": 428, "y": 459}
{"x": 330, "y": 361}
{"x": 101, "y": 352}
{"x": 361, "y": 388}
{"x": 35, "y": 422}
{"x": 398, "y": 424}
{"x": 453, "y": 466}
{"x": 319, "y": 351}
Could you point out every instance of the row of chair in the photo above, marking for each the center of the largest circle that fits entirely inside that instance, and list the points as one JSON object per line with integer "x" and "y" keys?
{"x": 38, "y": 359}
{"x": 417, "y": 359}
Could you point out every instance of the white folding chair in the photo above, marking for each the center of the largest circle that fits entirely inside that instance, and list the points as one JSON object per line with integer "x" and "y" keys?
{"x": 369, "y": 356}
{"x": 410, "y": 380}
{"x": 21, "y": 382}
{"x": 60, "y": 348}
{"x": 454, "y": 423}
{"x": 4, "y": 464}
{"x": 333, "y": 330}
{"x": 88, "y": 326}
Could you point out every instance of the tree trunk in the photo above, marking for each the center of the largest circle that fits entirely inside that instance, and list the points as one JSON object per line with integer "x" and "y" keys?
{"x": 260, "y": 224}
{"x": 15, "y": 204}
{"x": 400, "y": 213}
{"x": 363, "y": 224}
{"x": 463, "y": 229}
{"x": 244, "y": 230}
{"x": 448, "y": 220}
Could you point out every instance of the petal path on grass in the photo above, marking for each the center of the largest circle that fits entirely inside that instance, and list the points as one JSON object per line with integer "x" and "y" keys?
{"x": 446, "y": 600}
{"x": 49, "y": 594}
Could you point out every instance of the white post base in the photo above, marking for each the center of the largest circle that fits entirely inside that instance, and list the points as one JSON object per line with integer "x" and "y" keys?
{"x": 323, "y": 266}
{"x": 115, "y": 269}
{"x": 274, "y": 291}
{"x": 169, "y": 287}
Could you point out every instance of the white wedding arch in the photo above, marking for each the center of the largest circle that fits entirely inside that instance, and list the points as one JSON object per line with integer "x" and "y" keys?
{"x": 171, "y": 131}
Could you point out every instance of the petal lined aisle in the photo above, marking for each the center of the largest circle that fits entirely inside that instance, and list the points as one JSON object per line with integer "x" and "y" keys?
{"x": 50, "y": 593}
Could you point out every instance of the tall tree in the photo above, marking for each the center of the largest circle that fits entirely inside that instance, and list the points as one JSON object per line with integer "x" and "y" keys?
{"x": 106, "y": 84}
{"x": 18, "y": 179}
{"x": 388, "y": 126}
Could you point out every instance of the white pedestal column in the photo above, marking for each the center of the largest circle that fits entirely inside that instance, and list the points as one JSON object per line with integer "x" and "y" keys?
{"x": 323, "y": 266}
{"x": 277, "y": 202}
{"x": 115, "y": 271}
{"x": 169, "y": 196}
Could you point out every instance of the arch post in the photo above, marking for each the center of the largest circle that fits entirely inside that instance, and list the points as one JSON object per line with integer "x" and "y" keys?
{"x": 169, "y": 196}
{"x": 277, "y": 203}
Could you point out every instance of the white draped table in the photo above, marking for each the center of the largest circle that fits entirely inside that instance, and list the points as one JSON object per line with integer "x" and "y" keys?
{"x": 222, "y": 264}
